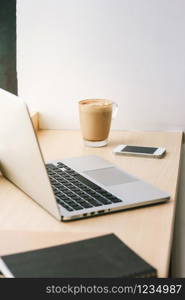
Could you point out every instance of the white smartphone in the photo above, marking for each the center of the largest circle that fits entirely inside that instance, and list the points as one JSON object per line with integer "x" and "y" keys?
{"x": 139, "y": 151}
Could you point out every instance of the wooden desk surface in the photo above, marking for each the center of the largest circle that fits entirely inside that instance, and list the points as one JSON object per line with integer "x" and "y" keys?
{"x": 146, "y": 230}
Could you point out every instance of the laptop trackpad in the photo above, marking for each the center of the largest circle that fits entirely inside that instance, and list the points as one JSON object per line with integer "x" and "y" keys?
{"x": 110, "y": 176}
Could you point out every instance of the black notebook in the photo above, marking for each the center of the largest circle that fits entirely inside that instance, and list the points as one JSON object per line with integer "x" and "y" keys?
{"x": 100, "y": 257}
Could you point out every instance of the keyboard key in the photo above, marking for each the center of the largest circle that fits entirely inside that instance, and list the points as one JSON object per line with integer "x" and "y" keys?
{"x": 57, "y": 184}
{"x": 105, "y": 194}
{"x": 81, "y": 194}
{"x": 62, "y": 188}
{"x": 56, "y": 176}
{"x": 64, "y": 198}
{"x": 75, "y": 189}
{"x": 80, "y": 201}
{"x": 60, "y": 172}
{"x": 67, "y": 175}
{"x": 67, "y": 207}
{"x": 103, "y": 200}
{"x": 70, "y": 209}
{"x": 63, "y": 204}
{"x": 77, "y": 199}
{"x": 89, "y": 198}
{"x": 93, "y": 194}
{"x": 115, "y": 199}
{"x": 68, "y": 184}
{"x": 86, "y": 189}
{"x": 50, "y": 172}
{"x": 70, "y": 194}
{"x": 76, "y": 207}
{"x": 60, "y": 164}
{"x": 85, "y": 204}
{"x": 94, "y": 202}
{"x": 57, "y": 193}
{"x": 70, "y": 202}
{"x": 50, "y": 166}
{"x": 62, "y": 181}
{"x": 52, "y": 181}
{"x": 98, "y": 189}
{"x": 74, "y": 180}
{"x": 71, "y": 172}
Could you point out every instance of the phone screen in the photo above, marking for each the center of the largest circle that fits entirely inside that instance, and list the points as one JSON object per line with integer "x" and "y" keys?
{"x": 138, "y": 149}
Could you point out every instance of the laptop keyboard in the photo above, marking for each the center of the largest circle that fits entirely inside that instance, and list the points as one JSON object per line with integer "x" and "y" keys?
{"x": 75, "y": 192}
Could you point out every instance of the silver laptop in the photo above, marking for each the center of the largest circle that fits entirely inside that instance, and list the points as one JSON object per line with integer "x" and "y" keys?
{"x": 69, "y": 189}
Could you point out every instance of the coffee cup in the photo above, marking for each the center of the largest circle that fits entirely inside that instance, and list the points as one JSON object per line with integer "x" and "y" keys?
{"x": 95, "y": 120}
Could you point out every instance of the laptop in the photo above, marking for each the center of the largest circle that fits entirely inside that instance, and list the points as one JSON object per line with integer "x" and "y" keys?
{"x": 69, "y": 189}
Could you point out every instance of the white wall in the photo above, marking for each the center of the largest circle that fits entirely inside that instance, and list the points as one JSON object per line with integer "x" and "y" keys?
{"x": 130, "y": 51}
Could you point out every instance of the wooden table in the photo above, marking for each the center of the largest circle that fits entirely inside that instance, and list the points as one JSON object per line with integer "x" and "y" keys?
{"x": 148, "y": 231}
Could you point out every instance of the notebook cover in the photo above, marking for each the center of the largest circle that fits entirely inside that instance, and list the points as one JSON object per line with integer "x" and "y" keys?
{"x": 100, "y": 257}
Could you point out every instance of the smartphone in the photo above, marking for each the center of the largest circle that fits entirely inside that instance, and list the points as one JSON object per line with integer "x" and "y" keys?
{"x": 140, "y": 151}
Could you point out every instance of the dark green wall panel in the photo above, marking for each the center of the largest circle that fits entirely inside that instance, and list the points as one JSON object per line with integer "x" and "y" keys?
{"x": 8, "y": 75}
